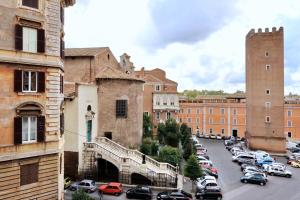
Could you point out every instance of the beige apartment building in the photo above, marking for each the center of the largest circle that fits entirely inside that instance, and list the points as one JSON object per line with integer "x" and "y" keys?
{"x": 31, "y": 76}
{"x": 265, "y": 90}
{"x": 161, "y": 100}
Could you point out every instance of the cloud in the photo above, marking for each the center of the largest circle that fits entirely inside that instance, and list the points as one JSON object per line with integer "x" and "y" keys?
{"x": 185, "y": 21}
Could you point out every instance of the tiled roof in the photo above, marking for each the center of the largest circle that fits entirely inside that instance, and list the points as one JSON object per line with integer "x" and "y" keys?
{"x": 85, "y": 52}
{"x": 112, "y": 73}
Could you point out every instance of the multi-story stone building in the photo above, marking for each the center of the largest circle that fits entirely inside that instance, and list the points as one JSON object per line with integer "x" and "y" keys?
{"x": 265, "y": 90}
{"x": 103, "y": 99}
{"x": 31, "y": 76}
{"x": 226, "y": 115}
{"x": 160, "y": 95}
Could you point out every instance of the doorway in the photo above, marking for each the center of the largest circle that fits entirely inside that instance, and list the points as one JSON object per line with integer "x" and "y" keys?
{"x": 108, "y": 135}
{"x": 234, "y": 133}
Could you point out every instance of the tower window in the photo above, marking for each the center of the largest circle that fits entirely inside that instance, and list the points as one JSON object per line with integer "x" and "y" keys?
{"x": 268, "y": 119}
{"x": 31, "y": 3}
{"x": 289, "y": 113}
{"x": 108, "y": 56}
{"x": 289, "y": 123}
{"x": 289, "y": 134}
{"x": 268, "y": 104}
{"x": 268, "y": 91}
{"x": 266, "y": 54}
{"x": 268, "y": 67}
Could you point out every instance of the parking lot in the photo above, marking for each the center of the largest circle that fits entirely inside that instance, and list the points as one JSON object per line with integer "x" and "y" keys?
{"x": 277, "y": 188}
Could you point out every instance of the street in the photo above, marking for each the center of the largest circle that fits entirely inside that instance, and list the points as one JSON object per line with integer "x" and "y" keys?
{"x": 277, "y": 188}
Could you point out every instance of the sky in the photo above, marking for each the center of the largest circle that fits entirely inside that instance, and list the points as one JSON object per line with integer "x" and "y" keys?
{"x": 199, "y": 43}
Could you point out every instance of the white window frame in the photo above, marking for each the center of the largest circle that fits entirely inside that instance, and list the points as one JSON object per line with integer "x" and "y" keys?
{"x": 197, "y": 120}
{"x": 147, "y": 113}
{"x": 29, "y": 81}
{"x": 268, "y": 119}
{"x": 210, "y": 121}
{"x": 168, "y": 115}
{"x": 29, "y": 118}
{"x": 157, "y": 115}
{"x": 222, "y": 120}
{"x": 223, "y": 111}
{"x": 157, "y": 88}
{"x": 268, "y": 104}
{"x": 289, "y": 113}
{"x": 189, "y": 120}
{"x": 30, "y": 42}
{"x": 289, "y": 123}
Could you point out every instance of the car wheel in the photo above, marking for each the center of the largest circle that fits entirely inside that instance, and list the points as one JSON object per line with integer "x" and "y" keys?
{"x": 245, "y": 181}
{"x": 201, "y": 197}
{"x": 262, "y": 183}
{"x": 219, "y": 198}
{"x": 288, "y": 176}
{"x": 272, "y": 174}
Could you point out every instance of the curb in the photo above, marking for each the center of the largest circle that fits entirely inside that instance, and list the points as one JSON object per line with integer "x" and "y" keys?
{"x": 152, "y": 187}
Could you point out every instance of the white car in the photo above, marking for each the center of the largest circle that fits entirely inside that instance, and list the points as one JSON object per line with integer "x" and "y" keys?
{"x": 204, "y": 183}
{"x": 278, "y": 171}
{"x": 205, "y": 163}
{"x": 199, "y": 180}
{"x": 238, "y": 155}
{"x": 206, "y": 135}
{"x": 251, "y": 169}
{"x": 261, "y": 154}
{"x": 219, "y": 137}
{"x": 213, "y": 136}
{"x": 201, "y": 158}
{"x": 198, "y": 145}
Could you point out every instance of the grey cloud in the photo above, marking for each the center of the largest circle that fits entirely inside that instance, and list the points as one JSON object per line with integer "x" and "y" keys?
{"x": 186, "y": 21}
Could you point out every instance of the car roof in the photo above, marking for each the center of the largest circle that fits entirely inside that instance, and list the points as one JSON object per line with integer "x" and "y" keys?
{"x": 114, "y": 184}
{"x": 87, "y": 181}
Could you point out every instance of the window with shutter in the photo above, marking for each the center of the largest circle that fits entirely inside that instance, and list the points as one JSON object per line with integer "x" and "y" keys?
{"x": 41, "y": 82}
{"x": 41, "y": 40}
{"x": 31, "y": 3}
{"x": 29, "y": 173}
{"x": 29, "y": 81}
{"x": 18, "y": 81}
{"x": 18, "y": 37}
{"x": 121, "y": 108}
{"x": 41, "y": 128}
{"x": 30, "y": 39}
{"x": 29, "y": 129}
{"x": 61, "y": 84}
{"x": 17, "y": 130}
{"x": 62, "y": 48}
{"x": 62, "y": 123}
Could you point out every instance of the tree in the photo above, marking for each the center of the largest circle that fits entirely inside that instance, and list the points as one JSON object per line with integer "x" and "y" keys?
{"x": 192, "y": 169}
{"x": 185, "y": 132}
{"x": 172, "y": 136}
{"x": 161, "y": 133}
{"x": 188, "y": 149}
{"x": 80, "y": 195}
{"x": 149, "y": 147}
{"x": 170, "y": 155}
{"x": 147, "y": 126}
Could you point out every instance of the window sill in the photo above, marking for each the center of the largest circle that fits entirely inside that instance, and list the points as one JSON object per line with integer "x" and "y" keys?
{"x": 31, "y": 9}
{"x": 29, "y": 93}
{"x": 30, "y": 142}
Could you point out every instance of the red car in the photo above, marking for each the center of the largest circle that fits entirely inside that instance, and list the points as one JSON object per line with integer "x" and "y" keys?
{"x": 113, "y": 188}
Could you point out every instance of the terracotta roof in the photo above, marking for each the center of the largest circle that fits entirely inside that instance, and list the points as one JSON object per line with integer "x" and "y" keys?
{"x": 84, "y": 52}
{"x": 112, "y": 73}
{"x": 170, "y": 81}
{"x": 69, "y": 89}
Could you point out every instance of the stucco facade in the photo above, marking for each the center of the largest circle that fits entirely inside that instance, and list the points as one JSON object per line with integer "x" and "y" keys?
{"x": 31, "y": 100}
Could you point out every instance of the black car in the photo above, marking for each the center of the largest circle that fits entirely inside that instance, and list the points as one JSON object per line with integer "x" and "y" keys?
{"x": 139, "y": 192}
{"x": 254, "y": 178}
{"x": 209, "y": 192}
{"x": 174, "y": 195}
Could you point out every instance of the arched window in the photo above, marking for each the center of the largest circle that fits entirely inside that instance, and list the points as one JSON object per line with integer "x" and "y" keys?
{"x": 89, "y": 108}
{"x": 29, "y": 124}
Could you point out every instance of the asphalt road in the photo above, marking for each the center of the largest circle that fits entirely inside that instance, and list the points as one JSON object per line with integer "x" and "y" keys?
{"x": 277, "y": 188}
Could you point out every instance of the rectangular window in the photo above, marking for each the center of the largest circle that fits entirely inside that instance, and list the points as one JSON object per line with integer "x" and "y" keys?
{"x": 121, "y": 108}
{"x": 168, "y": 115}
{"x": 234, "y": 112}
{"x": 29, "y": 81}
{"x": 146, "y": 113}
{"x": 268, "y": 119}
{"x": 29, "y": 39}
{"x": 210, "y": 111}
{"x": 172, "y": 103}
{"x": 29, "y": 129}
{"x": 157, "y": 103}
{"x": 268, "y": 104}
{"x": 157, "y": 87}
{"x": 198, "y": 111}
{"x": 289, "y": 113}
{"x": 29, "y": 173}
{"x": 210, "y": 131}
{"x": 234, "y": 121}
{"x": 289, "y": 123}
{"x": 268, "y": 67}
{"x": 222, "y": 121}
{"x": 223, "y": 131}
{"x": 180, "y": 120}
{"x": 198, "y": 120}
{"x": 31, "y": 3}
{"x": 189, "y": 111}
{"x": 210, "y": 121}
{"x": 157, "y": 115}
{"x": 268, "y": 91}
{"x": 289, "y": 134}
{"x": 222, "y": 111}
{"x": 189, "y": 120}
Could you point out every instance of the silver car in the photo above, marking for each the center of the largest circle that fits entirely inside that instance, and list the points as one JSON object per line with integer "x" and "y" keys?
{"x": 86, "y": 185}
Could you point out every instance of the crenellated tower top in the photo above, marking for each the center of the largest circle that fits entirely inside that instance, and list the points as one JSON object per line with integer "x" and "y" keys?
{"x": 274, "y": 30}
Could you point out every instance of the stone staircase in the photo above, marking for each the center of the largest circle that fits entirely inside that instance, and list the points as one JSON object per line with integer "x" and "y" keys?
{"x": 130, "y": 161}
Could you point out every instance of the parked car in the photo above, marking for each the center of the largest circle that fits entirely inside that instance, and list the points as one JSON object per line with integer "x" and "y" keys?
{"x": 205, "y": 177}
{"x": 296, "y": 164}
{"x": 113, "y": 188}
{"x": 202, "y": 184}
{"x": 67, "y": 182}
{"x": 201, "y": 158}
{"x": 86, "y": 185}
{"x": 260, "y": 173}
{"x": 204, "y": 150}
{"x": 198, "y": 145}
{"x": 261, "y": 162}
{"x": 201, "y": 135}
{"x": 278, "y": 171}
{"x": 292, "y": 158}
{"x": 254, "y": 178}
{"x": 243, "y": 166}
{"x": 174, "y": 195}
{"x": 201, "y": 153}
{"x": 212, "y": 136}
{"x": 206, "y": 136}
{"x": 246, "y": 158}
{"x": 252, "y": 169}
{"x": 219, "y": 137}
{"x": 139, "y": 192}
{"x": 205, "y": 163}
{"x": 240, "y": 155}
{"x": 209, "y": 192}
{"x": 210, "y": 172}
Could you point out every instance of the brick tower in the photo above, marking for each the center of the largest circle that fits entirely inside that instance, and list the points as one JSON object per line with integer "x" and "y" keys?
{"x": 265, "y": 90}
